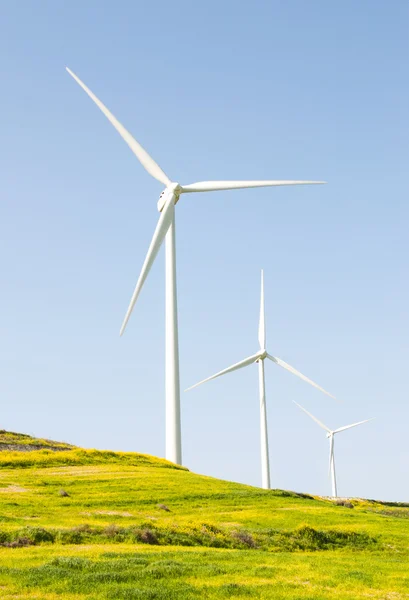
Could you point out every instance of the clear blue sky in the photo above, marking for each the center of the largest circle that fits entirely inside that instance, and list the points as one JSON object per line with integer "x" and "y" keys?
{"x": 214, "y": 90}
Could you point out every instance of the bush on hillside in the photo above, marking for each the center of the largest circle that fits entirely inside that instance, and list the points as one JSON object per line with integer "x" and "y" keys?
{"x": 307, "y": 538}
{"x": 36, "y": 535}
{"x": 245, "y": 538}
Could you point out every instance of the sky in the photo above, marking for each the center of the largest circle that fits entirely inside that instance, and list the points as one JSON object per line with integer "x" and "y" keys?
{"x": 215, "y": 90}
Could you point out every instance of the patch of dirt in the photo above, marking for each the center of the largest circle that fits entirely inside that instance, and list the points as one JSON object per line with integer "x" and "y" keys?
{"x": 301, "y": 582}
{"x": 333, "y": 499}
{"x": 13, "y": 489}
{"x": 76, "y": 470}
{"x": 115, "y": 513}
{"x": 299, "y": 509}
{"x": 30, "y": 447}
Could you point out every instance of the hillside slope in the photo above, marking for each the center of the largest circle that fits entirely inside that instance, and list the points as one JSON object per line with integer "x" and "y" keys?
{"x": 104, "y": 525}
{"x": 21, "y": 442}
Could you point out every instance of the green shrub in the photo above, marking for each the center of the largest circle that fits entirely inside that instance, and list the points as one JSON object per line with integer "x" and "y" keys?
{"x": 36, "y": 535}
{"x": 70, "y": 536}
{"x": 307, "y": 538}
{"x": 146, "y": 535}
{"x": 5, "y": 537}
{"x": 245, "y": 538}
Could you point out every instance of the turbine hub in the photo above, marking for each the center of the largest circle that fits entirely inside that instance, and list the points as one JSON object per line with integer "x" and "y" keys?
{"x": 263, "y": 354}
{"x": 173, "y": 188}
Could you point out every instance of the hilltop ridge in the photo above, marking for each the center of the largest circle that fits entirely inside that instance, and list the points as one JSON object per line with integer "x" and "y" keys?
{"x": 22, "y": 442}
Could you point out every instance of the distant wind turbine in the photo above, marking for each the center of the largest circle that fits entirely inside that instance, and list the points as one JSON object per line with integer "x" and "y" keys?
{"x": 330, "y": 436}
{"x": 259, "y": 357}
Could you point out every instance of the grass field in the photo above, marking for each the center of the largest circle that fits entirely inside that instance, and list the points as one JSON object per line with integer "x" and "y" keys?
{"x": 104, "y": 526}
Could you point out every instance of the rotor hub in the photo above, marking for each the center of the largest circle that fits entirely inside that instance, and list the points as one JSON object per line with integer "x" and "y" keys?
{"x": 173, "y": 188}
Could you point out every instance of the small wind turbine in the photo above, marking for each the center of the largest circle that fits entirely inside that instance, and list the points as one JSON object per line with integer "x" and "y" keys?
{"x": 166, "y": 227}
{"x": 330, "y": 436}
{"x": 259, "y": 357}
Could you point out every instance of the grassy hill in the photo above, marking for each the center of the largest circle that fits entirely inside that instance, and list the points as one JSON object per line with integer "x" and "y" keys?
{"x": 103, "y": 525}
{"x": 24, "y": 443}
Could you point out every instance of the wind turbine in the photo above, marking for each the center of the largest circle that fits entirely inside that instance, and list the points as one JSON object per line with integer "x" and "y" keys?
{"x": 166, "y": 228}
{"x": 330, "y": 436}
{"x": 260, "y": 357}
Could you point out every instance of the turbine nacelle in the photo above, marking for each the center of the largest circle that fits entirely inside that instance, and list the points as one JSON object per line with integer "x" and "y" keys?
{"x": 173, "y": 188}
{"x": 262, "y": 355}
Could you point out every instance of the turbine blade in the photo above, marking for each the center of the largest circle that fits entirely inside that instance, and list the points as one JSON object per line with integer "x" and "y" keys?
{"x": 262, "y": 323}
{"x": 313, "y": 418}
{"x": 235, "y": 367}
{"x": 162, "y": 227}
{"x": 353, "y": 425}
{"x": 214, "y": 186}
{"x": 288, "y": 367}
{"x": 147, "y": 161}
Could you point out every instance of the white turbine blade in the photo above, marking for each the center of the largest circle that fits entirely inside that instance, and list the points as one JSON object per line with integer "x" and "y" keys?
{"x": 262, "y": 323}
{"x": 239, "y": 365}
{"x": 214, "y": 186}
{"x": 313, "y": 418}
{"x": 147, "y": 161}
{"x": 162, "y": 227}
{"x": 288, "y": 367}
{"x": 353, "y": 425}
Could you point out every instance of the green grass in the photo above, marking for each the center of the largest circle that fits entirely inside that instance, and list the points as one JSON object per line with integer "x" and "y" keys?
{"x": 117, "y": 572}
{"x": 135, "y": 526}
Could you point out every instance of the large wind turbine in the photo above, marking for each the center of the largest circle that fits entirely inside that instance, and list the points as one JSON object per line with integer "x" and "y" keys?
{"x": 330, "y": 436}
{"x": 260, "y": 357}
{"x": 166, "y": 227}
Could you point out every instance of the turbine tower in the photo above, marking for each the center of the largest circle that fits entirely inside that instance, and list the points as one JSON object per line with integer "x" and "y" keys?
{"x": 330, "y": 436}
{"x": 260, "y": 357}
{"x": 166, "y": 228}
